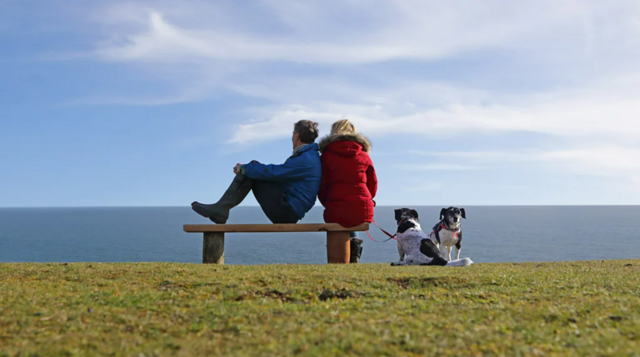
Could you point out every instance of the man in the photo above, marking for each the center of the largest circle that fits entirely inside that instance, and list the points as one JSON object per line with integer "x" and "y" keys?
{"x": 285, "y": 192}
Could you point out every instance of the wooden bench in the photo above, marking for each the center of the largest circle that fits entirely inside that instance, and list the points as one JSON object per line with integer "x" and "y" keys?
{"x": 338, "y": 248}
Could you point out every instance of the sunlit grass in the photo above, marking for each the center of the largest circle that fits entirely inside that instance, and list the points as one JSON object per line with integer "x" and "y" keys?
{"x": 530, "y": 309}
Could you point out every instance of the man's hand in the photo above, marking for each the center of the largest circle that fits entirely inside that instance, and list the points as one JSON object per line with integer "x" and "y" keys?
{"x": 237, "y": 169}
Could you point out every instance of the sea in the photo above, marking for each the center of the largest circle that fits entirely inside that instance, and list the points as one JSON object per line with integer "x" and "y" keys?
{"x": 155, "y": 234}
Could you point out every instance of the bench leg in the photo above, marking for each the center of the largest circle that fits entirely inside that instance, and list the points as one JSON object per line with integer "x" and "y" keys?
{"x": 338, "y": 247}
{"x": 213, "y": 248}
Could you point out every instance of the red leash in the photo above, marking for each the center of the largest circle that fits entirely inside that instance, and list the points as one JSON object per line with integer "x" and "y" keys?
{"x": 383, "y": 231}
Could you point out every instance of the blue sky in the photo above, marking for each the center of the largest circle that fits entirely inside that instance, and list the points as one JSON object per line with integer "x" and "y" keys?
{"x": 145, "y": 103}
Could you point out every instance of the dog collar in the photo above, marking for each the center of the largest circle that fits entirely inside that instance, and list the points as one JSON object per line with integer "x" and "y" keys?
{"x": 456, "y": 231}
{"x": 444, "y": 226}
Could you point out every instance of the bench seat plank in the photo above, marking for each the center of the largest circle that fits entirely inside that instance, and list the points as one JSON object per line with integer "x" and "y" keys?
{"x": 268, "y": 228}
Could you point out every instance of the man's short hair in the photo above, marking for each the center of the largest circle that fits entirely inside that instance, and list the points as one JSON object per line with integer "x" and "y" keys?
{"x": 307, "y": 129}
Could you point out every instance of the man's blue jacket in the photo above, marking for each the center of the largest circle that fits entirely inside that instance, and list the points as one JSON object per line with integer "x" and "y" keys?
{"x": 300, "y": 177}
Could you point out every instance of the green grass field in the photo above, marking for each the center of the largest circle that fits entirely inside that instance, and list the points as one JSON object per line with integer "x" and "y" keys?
{"x": 529, "y": 309}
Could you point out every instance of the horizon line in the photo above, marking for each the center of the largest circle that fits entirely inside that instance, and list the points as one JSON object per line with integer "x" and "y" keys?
{"x": 429, "y": 205}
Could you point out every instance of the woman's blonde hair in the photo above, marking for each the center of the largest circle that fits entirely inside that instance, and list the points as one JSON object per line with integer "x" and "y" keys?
{"x": 342, "y": 127}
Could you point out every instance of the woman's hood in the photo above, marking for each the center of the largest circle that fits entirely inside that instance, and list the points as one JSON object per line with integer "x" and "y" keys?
{"x": 357, "y": 138}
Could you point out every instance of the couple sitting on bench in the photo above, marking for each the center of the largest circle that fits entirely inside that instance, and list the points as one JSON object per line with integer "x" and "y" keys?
{"x": 343, "y": 179}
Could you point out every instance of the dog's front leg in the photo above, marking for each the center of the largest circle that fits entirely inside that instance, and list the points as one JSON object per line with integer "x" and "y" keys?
{"x": 401, "y": 252}
{"x": 448, "y": 255}
{"x": 457, "y": 252}
{"x": 443, "y": 250}
{"x": 459, "y": 245}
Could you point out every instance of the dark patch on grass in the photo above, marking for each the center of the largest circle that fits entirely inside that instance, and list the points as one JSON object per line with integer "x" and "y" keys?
{"x": 427, "y": 282}
{"x": 168, "y": 285}
{"x": 616, "y": 318}
{"x": 275, "y": 294}
{"x": 550, "y": 318}
{"x": 329, "y": 294}
{"x": 269, "y": 294}
{"x": 173, "y": 346}
{"x": 482, "y": 298}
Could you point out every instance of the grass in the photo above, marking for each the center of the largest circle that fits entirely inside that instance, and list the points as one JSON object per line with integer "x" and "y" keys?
{"x": 151, "y": 309}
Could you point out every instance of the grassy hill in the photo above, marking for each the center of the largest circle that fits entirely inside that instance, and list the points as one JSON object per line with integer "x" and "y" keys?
{"x": 153, "y": 309}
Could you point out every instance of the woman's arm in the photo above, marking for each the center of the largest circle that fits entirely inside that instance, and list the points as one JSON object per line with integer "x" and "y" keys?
{"x": 372, "y": 180}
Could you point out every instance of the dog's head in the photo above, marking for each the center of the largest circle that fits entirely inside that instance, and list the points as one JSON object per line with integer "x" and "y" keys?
{"x": 404, "y": 214}
{"x": 453, "y": 216}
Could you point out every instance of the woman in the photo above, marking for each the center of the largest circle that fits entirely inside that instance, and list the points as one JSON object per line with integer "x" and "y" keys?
{"x": 349, "y": 181}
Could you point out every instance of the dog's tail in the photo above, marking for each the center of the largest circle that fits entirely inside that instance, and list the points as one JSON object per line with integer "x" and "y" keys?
{"x": 460, "y": 262}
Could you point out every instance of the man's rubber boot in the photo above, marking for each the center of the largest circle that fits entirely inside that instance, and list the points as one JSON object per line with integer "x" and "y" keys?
{"x": 356, "y": 250}
{"x": 235, "y": 194}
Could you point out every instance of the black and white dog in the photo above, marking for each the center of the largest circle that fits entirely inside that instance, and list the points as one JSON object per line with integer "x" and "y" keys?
{"x": 415, "y": 247}
{"x": 447, "y": 234}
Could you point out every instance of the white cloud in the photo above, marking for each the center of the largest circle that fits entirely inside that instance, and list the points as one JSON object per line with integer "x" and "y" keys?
{"x": 611, "y": 158}
{"x": 599, "y": 160}
{"x": 163, "y": 41}
{"x": 610, "y": 161}
{"x": 279, "y": 126}
{"x": 333, "y": 32}
{"x": 603, "y": 110}
{"x": 563, "y": 35}
{"x": 479, "y": 156}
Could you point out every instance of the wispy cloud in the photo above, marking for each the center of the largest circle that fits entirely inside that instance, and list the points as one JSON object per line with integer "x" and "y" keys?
{"x": 439, "y": 167}
{"x": 604, "y": 109}
{"x": 610, "y": 161}
{"x": 185, "y": 96}
{"x": 388, "y": 31}
{"x": 426, "y": 186}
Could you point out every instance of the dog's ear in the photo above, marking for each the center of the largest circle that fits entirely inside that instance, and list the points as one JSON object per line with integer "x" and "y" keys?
{"x": 443, "y": 212}
{"x": 414, "y": 213}
{"x": 398, "y": 214}
{"x": 464, "y": 215}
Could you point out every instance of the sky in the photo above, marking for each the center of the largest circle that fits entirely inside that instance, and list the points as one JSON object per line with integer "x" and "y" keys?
{"x": 152, "y": 103}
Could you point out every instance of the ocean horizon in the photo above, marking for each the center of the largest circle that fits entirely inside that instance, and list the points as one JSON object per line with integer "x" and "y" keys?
{"x": 154, "y": 234}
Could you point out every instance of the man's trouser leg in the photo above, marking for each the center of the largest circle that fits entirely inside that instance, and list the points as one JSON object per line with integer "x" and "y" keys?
{"x": 274, "y": 204}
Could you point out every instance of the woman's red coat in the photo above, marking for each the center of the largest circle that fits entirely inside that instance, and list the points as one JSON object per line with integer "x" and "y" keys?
{"x": 349, "y": 181}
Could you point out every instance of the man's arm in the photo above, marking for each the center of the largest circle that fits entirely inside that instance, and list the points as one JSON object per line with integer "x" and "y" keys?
{"x": 293, "y": 170}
